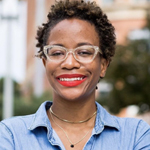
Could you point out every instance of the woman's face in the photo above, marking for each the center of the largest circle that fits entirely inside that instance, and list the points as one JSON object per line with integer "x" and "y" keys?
{"x": 82, "y": 78}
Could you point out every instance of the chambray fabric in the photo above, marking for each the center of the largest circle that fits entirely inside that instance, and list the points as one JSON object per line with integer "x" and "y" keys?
{"x": 110, "y": 133}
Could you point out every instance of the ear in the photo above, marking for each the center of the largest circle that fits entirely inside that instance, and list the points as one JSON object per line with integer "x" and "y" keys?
{"x": 44, "y": 61}
{"x": 104, "y": 65}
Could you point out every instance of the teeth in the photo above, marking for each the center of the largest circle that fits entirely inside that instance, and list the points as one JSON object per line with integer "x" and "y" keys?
{"x": 70, "y": 79}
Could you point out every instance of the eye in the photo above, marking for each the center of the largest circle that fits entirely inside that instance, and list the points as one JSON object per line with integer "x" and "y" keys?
{"x": 56, "y": 53}
{"x": 84, "y": 52}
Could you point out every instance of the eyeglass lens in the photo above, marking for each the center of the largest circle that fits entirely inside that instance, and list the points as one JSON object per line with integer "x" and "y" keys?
{"x": 83, "y": 53}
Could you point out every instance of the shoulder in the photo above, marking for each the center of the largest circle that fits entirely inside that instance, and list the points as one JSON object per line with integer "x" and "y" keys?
{"x": 121, "y": 124}
{"x": 12, "y": 130}
{"x": 16, "y": 123}
{"x": 130, "y": 133}
{"x": 138, "y": 129}
{"x": 25, "y": 122}
{"x": 131, "y": 123}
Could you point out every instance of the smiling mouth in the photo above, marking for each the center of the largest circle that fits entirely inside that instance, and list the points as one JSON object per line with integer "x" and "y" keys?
{"x": 71, "y": 80}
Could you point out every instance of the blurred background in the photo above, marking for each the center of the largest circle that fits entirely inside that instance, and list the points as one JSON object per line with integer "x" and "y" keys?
{"x": 125, "y": 91}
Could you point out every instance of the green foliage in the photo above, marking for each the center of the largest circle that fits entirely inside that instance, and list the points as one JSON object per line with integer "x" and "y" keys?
{"x": 148, "y": 19}
{"x": 23, "y": 105}
{"x": 129, "y": 74}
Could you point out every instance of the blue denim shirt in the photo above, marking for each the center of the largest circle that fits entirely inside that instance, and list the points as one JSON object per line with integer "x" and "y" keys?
{"x": 110, "y": 133}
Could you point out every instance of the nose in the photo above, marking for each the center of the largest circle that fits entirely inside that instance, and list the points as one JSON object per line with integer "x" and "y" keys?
{"x": 70, "y": 62}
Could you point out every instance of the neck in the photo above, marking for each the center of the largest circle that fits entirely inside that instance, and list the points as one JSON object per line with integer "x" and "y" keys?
{"x": 74, "y": 110}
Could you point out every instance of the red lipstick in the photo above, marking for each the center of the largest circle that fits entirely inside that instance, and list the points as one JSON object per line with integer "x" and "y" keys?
{"x": 71, "y": 80}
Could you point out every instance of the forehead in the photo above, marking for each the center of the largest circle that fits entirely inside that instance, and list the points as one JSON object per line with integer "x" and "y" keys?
{"x": 74, "y": 31}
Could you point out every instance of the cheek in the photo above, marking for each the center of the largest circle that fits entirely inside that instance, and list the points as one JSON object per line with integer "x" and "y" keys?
{"x": 49, "y": 69}
{"x": 97, "y": 66}
{"x": 95, "y": 70}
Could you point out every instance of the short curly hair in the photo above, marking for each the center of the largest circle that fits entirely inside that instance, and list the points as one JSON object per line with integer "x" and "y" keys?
{"x": 88, "y": 11}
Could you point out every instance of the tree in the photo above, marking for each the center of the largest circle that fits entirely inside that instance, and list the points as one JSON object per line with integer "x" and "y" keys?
{"x": 129, "y": 74}
{"x": 21, "y": 105}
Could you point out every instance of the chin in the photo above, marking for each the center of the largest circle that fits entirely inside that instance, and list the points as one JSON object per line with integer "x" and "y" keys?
{"x": 73, "y": 97}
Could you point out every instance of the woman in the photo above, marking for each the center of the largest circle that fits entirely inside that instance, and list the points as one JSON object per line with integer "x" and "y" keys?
{"x": 76, "y": 47}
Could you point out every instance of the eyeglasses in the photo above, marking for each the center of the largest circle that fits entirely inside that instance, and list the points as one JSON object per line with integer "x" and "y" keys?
{"x": 84, "y": 53}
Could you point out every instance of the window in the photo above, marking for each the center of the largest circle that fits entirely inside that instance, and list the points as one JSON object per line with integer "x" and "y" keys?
{"x": 140, "y": 1}
{"x": 108, "y": 1}
{"x": 139, "y": 34}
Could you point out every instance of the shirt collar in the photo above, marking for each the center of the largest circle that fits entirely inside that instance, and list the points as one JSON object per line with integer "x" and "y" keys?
{"x": 40, "y": 118}
{"x": 104, "y": 119}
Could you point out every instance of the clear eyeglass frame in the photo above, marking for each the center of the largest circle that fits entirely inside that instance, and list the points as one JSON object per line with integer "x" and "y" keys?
{"x": 96, "y": 51}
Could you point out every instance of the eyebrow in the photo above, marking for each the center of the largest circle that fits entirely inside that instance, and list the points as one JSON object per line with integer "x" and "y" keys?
{"x": 84, "y": 43}
{"x": 58, "y": 45}
{"x": 79, "y": 44}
